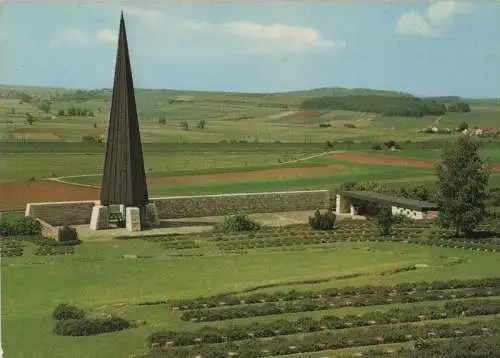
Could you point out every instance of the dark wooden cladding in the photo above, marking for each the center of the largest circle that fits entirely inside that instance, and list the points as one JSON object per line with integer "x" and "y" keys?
{"x": 124, "y": 178}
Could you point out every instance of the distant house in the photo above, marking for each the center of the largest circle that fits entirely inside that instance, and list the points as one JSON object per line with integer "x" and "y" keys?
{"x": 366, "y": 202}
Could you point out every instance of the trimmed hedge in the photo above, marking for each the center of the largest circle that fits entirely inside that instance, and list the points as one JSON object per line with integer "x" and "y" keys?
{"x": 54, "y": 250}
{"x": 283, "y": 327}
{"x": 90, "y": 326}
{"x": 19, "y": 226}
{"x": 324, "y": 303}
{"x": 329, "y": 340}
{"x": 464, "y": 347}
{"x": 344, "y": 292}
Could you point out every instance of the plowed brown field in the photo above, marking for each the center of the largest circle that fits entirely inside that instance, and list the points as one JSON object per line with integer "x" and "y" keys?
{"x": 385, "y": 159}
{"x": 15, "y": 196}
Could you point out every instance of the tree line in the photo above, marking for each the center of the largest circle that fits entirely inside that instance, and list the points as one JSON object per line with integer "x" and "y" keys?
{"x": 406, "y": 106}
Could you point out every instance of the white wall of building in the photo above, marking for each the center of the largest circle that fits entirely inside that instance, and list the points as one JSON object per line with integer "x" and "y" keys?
{"x": 413, "y": 214}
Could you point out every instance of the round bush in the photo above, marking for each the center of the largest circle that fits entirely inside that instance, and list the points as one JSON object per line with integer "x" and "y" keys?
{"x": 65, "y": 311}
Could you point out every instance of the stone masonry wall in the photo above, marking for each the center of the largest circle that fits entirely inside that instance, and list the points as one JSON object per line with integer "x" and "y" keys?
{"x": 60, "y": 213}
{"x": 79, "y": 212}
{"x": 243, "y": 203}
{"x": 49, "y": 230}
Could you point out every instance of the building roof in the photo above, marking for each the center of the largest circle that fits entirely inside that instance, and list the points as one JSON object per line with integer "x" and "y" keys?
{"x": 390, "y": 200}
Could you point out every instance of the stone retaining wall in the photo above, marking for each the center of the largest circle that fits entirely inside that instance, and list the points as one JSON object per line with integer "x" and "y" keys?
{"x": 49, "y": 230}
{"x": 61, "y": 213}
{"x": 175, "y": 207}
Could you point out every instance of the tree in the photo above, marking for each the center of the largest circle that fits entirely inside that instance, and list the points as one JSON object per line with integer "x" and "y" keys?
{"x": 44, "y": 107}
{"x": 29, "y": 118}
{"x": 463, "y": 126}
{"x": 201, "y": 124}
{"x": 162, "y": 120}
{"x": 462, "y": 186}
{"x": 184, "y": 125}
{"x": 60, "y": 112}
{"x": 322, "y": 221}
{"x": 459, "y": 107}
{"x": 385, "y": 219}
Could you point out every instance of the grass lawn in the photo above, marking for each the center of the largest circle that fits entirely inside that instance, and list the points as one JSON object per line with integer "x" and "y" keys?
{"x": 96, "y": 277}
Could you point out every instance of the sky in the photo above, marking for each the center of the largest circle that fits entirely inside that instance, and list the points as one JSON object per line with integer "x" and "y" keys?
{"x": 427, "y": 48}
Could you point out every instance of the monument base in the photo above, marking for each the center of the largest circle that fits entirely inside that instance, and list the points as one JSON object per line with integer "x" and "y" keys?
{"x": 133, "y": 218}
{"x": 151, "y": 217}
{"x": 100, "y": 218}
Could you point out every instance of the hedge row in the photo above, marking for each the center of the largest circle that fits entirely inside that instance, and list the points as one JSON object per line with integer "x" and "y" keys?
{"x": 169, "y": 242}
{"x": 330, "y": 340}
{"x": 283, "y": 327}
{"x": 348, "y": 291}
{"x": 308, "y": 305}
{"x": 159, "y": 238}
{"x": 17, "y": 226}
{"x": 10, "y": 252}
{"x": 89, "y": 326}
{"x": 71, "y": 321}
{"x": 47, "y": 241}
{"x": 54, "y": 250}
{"x": 464, "y": 347}
{"x": 337, "y": 235}
{"x": 179, "y": 245}
{"x": 11, "y": 243}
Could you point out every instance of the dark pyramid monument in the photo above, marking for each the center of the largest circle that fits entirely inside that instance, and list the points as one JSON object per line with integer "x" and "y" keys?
{"x": 124, "y": 178}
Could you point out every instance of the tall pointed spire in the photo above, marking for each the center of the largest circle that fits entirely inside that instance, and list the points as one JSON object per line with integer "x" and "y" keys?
{"x": 124, "y": 178}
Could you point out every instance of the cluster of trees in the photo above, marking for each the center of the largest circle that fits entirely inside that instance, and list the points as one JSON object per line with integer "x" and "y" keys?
{"x": 76, "y": 112}
{"x": 459, "y": 107}
{"x": 185, "y": 125}
{"x": 406, "y": 106}
{"x": 461, "y": 190}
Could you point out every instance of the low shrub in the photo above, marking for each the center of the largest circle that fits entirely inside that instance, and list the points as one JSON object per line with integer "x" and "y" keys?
{"x": 333, "y": 340}
{"x": 19, "y": 226}
{"x": 236, "y": 332}
{"x": 322, "y": 221}
{"x": 90, "y": 326}
{"x": 48, "y": 241}
{"x": 54, "y": 250}
{"x": 64, "y": 311}
{"x": 233, "y": 223}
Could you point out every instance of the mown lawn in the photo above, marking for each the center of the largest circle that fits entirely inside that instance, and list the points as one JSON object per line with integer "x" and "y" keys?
{"x": 97, "y": 277}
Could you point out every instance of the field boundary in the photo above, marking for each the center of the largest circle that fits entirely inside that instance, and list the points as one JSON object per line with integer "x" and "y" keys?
{"x": 63, "y": 180}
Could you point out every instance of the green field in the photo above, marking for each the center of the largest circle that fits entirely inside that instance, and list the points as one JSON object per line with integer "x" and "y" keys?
{"x": 228, "y": 116}
{"x": 245, "y": 137}
{"x": 97, "y": 278}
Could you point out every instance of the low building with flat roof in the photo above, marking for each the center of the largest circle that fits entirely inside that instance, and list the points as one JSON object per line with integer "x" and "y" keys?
{"x": 359, "y": 202}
